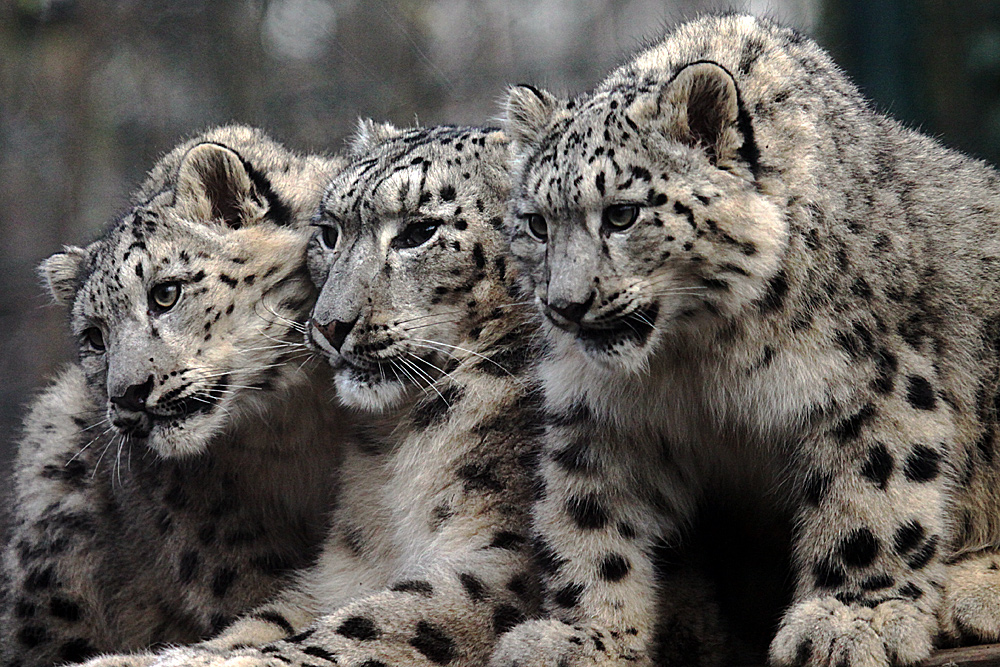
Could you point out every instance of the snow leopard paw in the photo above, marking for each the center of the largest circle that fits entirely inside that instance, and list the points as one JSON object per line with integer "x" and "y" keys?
{"x": 825, "y": 631}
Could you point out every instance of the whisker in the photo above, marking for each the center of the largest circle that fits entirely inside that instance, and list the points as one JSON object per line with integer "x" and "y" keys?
{"x": 472, "y": 352}
{"x": 424, "y": 317}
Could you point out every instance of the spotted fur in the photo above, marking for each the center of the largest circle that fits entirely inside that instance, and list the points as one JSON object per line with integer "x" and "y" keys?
{"x": 428, "y": 561}
{"x": 751, "y": 280}
{"x": 177, "y": 474}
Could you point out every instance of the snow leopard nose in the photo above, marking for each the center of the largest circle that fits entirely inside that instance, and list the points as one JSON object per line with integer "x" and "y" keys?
{"x": 336, "y": 331}
{"x": 134, "y": 398}
{"x": 571, "y": 310}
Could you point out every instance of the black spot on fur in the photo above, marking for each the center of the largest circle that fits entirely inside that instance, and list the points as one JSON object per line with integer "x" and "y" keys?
{"x": 76, "y": 650}
{"x": 39, "y": 579}
{"x": 569, "y": 595}
{"x": 575, "y": 457}
{"x": 920, "y": 393}
{"x": 65, "y": 609}
{"x": 188, "y": 567}
{"x": 859, "y": 549}
{"x": 907, "y": 537}
{"x": 599, "y": 182}
{"x": 32, "y": 635}
{"x": 228, "y": 280}
{"x": 373, "y": 663}
{"x": 414, "y": 586}
{"x": 274, "y": 618}
{"x": 432, "y": 409}
{"x": 877, "y": 582}
{"x": 850, "y": 428}
{"x": 886, "y": 366}
{"x": 923, "y": 555}
{"x": 828, "y": 574}
{"x": 910, "y": 590}
{"x": 507, "y": 540}
{"x": 545, "y": 556}
{"x": 923, "y": 464}
{"x": 433, "y": 643}
{"x": 614, "y": 567}
{"x": 480, "y": 476}
{"x": 505, "y": 617}
{"x": 223, "y": 579}
{"x": 817, "y": 487}
{"x": 448, "y": 193}
{"x": 474, "y": 588}
{"x": 360, "y": 628}
{"x": 320, "y": 652}
{"x": 774, "y": 297}
{"x": 878, "y": 467}
{"x": 588, "y": 512}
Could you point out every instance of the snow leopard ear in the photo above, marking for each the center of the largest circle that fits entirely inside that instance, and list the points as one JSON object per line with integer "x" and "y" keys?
{"x": 214, "y": 184}
{"x": 368, "y": 134}
{"x": 61, "y": 272}
{"x": 528, "y": 111}
{"x": 700, "y": 106}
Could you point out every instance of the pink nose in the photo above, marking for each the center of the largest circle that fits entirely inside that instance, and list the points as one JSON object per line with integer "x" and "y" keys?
{"x": 336, "y": 331}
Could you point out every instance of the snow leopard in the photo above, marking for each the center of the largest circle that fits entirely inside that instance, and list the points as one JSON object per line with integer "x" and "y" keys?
{"x": 754, "y": 285}
{"x": 177, "y": 474}
{"x": 428, "y": 559}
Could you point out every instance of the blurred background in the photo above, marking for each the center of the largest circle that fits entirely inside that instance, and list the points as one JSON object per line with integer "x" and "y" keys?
{"x": 92, "y": 92}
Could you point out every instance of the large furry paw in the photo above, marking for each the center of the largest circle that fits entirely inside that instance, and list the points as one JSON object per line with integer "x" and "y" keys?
{"x": 825, "y": 631}
{"x": 970, "y": 610}
{"x": 550, "y": 643}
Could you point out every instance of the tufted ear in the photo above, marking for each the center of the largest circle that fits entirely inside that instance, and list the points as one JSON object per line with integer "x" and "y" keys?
{"x": 368, "y": 134}
{"x": 528, "y": 111}
{"x": 214, "y": 184}
{"x": 700, "y": 106}
{"x": 61, "y": 271}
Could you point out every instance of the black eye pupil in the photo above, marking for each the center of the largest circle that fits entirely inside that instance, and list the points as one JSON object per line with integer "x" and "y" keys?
{"x": 329, "y": 235}
{"x": 621, "y": 216}
{"x": 538, "y": 227}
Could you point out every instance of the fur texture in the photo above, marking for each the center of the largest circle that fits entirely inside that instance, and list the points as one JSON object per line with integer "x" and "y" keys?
{"x": 176, "y": 475}
{"x": 749, "y": 280}
{"x": 428, "y": 560}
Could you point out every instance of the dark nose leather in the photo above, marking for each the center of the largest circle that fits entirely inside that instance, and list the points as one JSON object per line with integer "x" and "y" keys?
{"x": 134, "y": 398}
{"x": 336, "y": 331}
{"x": 572, "y": 311}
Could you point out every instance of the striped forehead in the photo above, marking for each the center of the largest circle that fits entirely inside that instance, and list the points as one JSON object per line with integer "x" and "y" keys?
{"x": 405, "y": 176}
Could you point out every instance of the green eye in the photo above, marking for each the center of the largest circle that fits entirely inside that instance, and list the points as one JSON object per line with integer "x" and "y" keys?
{"x": 416, "y": 234}
{"x": 164, "y": 296}
{"x": 619, "y": 217}
{"x": 329, "y": 235}
{"x": 537, "y": 226}
{"x": 94, "y": 338}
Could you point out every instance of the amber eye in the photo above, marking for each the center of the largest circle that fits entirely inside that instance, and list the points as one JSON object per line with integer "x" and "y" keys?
{"x": 329, "y": 235}
{"x": 537, "y": 226}
{"x": 416, "y": 234}
{"x": 93, "y": 338}
{"x": 619, "y": 217}
{"x": 164, "y": 296}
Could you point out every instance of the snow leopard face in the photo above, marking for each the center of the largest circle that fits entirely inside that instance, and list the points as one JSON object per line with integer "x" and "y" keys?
{"x": 635, "y": 212}
{"x": 184, "y": 312}
{"x": 408, "y": 254}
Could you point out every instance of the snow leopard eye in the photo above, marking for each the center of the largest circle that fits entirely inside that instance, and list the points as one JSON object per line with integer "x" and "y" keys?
{"x": 537, "y": 226}
{"x": 416, "y": 234}
{"x": 164, "y": 296}
{"x": 329, "y": 235}
{"x": 94, "y": 338}
{"x": 619, "y": 217}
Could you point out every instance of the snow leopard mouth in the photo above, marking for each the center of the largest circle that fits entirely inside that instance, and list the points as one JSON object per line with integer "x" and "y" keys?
{"x": 140, "y": 424}
{"x": 405, "y": 369}
{"x": 632, "y": 328}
